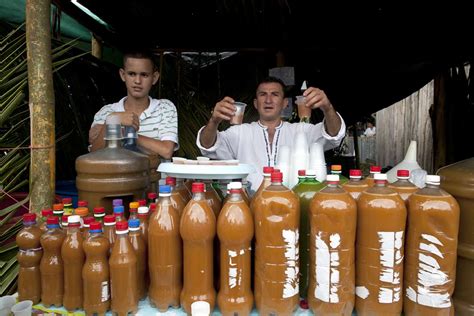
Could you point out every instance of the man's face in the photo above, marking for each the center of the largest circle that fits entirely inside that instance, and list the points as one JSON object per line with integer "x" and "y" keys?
{"x": 139, "y": 76}
{"x": 270, "y": 101}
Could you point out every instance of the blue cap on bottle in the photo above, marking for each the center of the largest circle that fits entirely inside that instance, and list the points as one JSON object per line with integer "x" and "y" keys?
{"x": 133, "y": 223}
{"x": 165, "y": 189}
{"x": 118, "y": 209}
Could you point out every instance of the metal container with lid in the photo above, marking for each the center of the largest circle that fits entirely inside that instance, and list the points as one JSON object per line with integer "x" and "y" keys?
{"x": 112, "y": 172}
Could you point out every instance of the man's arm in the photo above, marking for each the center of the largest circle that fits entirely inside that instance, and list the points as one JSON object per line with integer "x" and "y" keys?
{"x": 96, "y": 137}
{"x": 224, "y": 110}
{"x": 164, "y": 148}
{"x": 317, "y": 98}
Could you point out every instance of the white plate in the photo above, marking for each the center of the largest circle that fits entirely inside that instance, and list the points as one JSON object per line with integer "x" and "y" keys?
{"x": 206, "y": 171}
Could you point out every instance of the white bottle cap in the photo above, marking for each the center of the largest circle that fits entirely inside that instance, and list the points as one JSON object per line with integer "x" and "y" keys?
{"x": 74, "y": 219}
{"x": 200, "y": 308}
{"x": 380, "y": 176}
{"x": 433, "y": 179}
{"x": 311, "y": 172}
{"x": 235, "y": 185}
{"x": 142, "y": 209}
{"x": 332, "y": 177}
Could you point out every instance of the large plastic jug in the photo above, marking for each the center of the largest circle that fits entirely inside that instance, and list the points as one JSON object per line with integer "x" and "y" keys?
{"x": 112, "y": 172}
{"x": 458, "y": 180}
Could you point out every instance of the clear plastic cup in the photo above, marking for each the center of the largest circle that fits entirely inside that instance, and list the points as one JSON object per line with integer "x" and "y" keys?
{"x": 303, "y": 110}
{"x": 22, "y": 308}
{"x": 239, "y": 113}
{"x": 6, "y": 303}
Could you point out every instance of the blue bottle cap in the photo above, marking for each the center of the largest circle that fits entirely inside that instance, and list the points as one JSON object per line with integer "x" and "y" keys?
{"x": 118, "y": 209}
{"x": 132, "y": 223}
{"x": 165, "y": 189}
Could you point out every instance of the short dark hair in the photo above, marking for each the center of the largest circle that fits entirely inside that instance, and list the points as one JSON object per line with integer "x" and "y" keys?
{"x": 271, "y": 79}
{"x": 141, "y": 54}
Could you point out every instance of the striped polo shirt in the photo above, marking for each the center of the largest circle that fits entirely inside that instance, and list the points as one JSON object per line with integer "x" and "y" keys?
{"x": 158, "y": 121}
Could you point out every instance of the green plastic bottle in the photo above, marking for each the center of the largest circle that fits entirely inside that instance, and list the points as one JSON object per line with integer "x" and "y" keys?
{"x": 305, "y": 190}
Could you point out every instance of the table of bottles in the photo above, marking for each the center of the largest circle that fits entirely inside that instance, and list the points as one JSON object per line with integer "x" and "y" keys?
{"x": 145, "y": 308}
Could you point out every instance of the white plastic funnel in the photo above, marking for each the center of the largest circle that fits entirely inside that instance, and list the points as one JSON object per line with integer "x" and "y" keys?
{"x": 408, "y": 163}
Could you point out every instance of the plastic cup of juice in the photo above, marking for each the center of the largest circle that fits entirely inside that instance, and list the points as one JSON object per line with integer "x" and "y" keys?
{"x": 239, "y": 113}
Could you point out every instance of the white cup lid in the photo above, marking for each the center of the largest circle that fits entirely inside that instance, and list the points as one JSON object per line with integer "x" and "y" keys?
{"x": 142, "y": 209}
{"x": 200, "y": 308}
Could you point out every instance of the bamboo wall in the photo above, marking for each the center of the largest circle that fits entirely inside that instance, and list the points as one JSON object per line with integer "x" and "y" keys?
{"x": 402, "y": 122}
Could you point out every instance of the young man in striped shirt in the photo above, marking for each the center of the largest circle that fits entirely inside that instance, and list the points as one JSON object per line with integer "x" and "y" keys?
{"x": 156, "y": 120}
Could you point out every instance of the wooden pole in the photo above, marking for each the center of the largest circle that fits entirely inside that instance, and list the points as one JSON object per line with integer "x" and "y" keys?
{"x": 96, "y": 47}
{"x": 41, "y": 103}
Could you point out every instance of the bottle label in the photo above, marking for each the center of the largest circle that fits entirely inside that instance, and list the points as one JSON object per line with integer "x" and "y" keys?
{"x": 430, "y": 278}
{"x": 326, "y": 268}
{"x": 291, "y": 286}
{"x": 105, "y": 291}
{"x": 391, "y": 260}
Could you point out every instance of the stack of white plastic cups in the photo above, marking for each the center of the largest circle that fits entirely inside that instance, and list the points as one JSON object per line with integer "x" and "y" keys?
{"x": 284, "y": 163}
{"x": 299, "y": 158}
{"x": 317, "y": 160}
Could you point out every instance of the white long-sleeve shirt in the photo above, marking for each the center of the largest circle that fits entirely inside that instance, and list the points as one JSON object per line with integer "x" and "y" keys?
{"x": 249, "y": 143}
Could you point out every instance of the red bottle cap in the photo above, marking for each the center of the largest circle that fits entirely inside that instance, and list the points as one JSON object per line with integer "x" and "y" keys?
{"x": 152, "y": 195}
{"x": 141, "y": 203}
{"x": 355, "y": 173}
{"x": 88, "y": 220}
{"x": 109, "y": 219}
{"x": 99, "y": 210}
{"x": 58, "y": 207}
{"x": 52, "y": 220}
{"x": 403, "y": 173}
{"x": 170, "y": 181}
{"x": 152, "y": 207}
{"x": 268, "y": 170}
{"x": 64, "y": 219}
{"x": 82, "y": 203}
{"x": 375, "y": 169}
{"x": 29, "y": 217}
{"x": 122, "y": 225}
{"x": 46, "y": 212}
{"x": 197, "y": 187}
{"x": 276, "y": 177}
{"x": 67, "y": 201}
{"x": 301, "y": 173}
{"x": 276, "y": 170}
{"x": 95, "y": 226}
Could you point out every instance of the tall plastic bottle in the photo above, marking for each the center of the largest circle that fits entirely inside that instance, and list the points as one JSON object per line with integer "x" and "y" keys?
{"x": 381, "y": 218}
{"x": 182, "y": 189}
{"x": 58, "y": 211}
{"x": 337, "y": 170}
{"x": 235, "y": 230}
{"x": 277, "y": 220}
{"x": 133, "y": 211}
{"x": 267, "y": 171}
{"x": 29, "y": 257}
{"x": 305, "y": 192}
{"x": 404, "y": 187}
{"x": 123, "y": 273}
{"x": 119, "y": 213}
{"x": 371, "y": 177}
{"x": 431, "y": 250}
{"x": 73, "y": 258}
{"x": 212, "y": 197}
{"x": 44, "y": 219}
{"x": 356, "y": 185}
{"x": 68, "y": 208}
{"x": 51, "y": 265}
{"x": 141, "y": 252}
{"x": 86, "y": 227}
{"x": 165, "y": 253}
{"x": 198, "y": 229}
{"x": 151, "y": 198}
{"x": 109, "y": 230}
{"x": 95, "y": 273}
{"x": 177, "y": 199}
{"x": 332, "y": 268}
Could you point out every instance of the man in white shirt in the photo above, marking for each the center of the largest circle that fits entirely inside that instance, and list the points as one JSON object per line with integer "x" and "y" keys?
{"x": 155, "y": 120}
{"x": 257, "y": 143}
{"x": 370, "y": 130}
